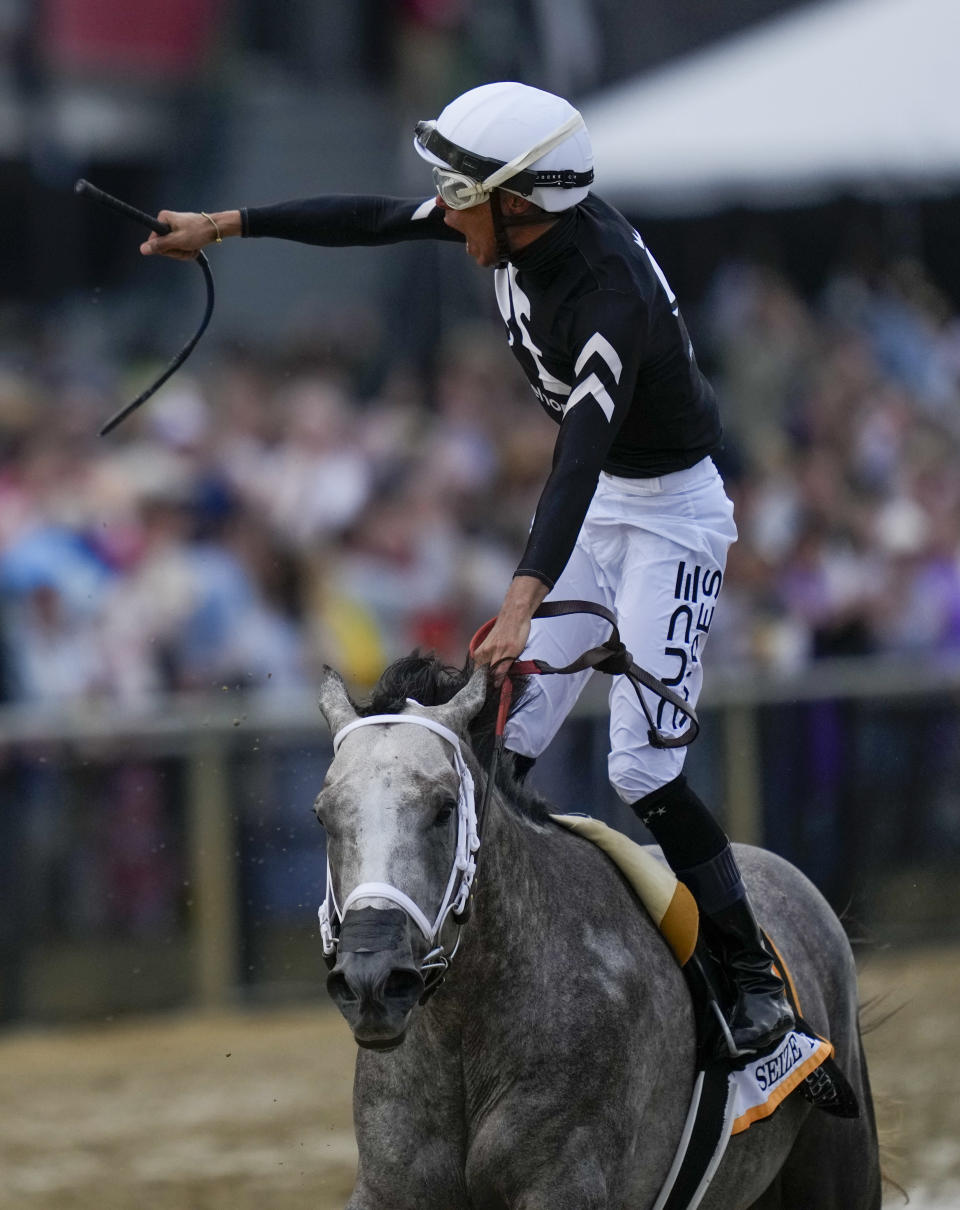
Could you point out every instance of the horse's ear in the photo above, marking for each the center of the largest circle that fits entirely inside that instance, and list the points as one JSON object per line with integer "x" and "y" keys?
{"x": 334, "y": 701}
{"x": 457, "y": 713}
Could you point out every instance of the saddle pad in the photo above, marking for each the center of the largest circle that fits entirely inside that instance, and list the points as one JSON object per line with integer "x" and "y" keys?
{"x": 760, "y": 1084}
{"x": 670, "y": 904}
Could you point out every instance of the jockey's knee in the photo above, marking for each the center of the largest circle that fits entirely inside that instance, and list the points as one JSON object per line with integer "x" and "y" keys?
{"x": 634, "y": 779}
{"x": 681, "y": 824}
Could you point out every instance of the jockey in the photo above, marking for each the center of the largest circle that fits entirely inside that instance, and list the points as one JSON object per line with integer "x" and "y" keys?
{"x": 633, "y": 512}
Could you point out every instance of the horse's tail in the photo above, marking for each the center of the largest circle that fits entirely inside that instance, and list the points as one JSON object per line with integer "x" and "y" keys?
{"x": 874, "y": 1014}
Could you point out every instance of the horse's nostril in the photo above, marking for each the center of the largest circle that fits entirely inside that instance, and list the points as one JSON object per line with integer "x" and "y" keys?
{"x": 403, "y": 985}
{"x": 339, "y": 989}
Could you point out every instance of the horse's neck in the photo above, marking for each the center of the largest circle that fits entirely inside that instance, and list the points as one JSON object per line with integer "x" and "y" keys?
{"x": 520, "y": 869}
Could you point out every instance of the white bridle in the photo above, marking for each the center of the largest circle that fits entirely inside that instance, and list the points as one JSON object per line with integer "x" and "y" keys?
{"x": 464, "y": 862}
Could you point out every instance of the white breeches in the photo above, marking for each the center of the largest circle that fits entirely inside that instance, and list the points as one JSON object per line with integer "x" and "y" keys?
{"x": 653, "y": 551}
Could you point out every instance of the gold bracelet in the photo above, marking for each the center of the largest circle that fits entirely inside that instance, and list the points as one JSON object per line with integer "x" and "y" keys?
{"x": 215, "y": 227}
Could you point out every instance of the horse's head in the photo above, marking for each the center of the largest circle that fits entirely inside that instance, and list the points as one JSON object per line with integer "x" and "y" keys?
{"x": 397, "y": 805}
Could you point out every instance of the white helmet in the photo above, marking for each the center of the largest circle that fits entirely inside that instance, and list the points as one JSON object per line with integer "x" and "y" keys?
{"x": 509, "y": 136}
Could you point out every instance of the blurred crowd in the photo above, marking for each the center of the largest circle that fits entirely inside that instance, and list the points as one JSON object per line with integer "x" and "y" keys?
{"x": 844, "y": 425}
{"x": 263, "y": 515}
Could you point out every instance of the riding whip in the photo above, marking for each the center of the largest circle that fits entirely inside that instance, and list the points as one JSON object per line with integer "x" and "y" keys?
{"x": 85, "y": 189}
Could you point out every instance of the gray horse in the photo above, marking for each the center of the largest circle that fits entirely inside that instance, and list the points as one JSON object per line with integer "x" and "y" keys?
{"x": 553, "y": 1069}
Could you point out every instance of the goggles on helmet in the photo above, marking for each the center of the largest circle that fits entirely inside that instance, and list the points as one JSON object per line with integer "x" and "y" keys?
{"x": 458, "y": 191}
{"x": 471, "y": 178}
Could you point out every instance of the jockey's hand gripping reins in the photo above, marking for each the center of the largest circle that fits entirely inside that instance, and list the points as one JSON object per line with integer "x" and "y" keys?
{"x": 610, "y": 657}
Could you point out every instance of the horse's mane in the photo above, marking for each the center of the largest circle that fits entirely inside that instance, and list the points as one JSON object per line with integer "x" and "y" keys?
{"x": 427, "y": 680}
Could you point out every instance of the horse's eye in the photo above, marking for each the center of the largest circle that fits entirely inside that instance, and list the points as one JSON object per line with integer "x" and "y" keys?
{"x": 443, "y": 815}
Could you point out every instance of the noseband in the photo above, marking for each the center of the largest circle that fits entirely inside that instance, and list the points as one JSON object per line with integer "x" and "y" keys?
{"x": 464, "y": 867}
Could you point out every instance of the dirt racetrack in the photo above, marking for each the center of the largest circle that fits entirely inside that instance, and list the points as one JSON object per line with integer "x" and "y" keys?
{"x": 245, "y": 1110}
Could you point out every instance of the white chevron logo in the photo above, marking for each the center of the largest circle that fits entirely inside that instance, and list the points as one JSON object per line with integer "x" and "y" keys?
{"x": 674, "y": 305}
{"x": 604, "y": 349}
{"x": 591, "y": 385}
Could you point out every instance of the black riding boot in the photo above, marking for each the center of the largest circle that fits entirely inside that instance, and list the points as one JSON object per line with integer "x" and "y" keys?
{"x": 700, "y": 855}
{"x": 762, "y": 1013}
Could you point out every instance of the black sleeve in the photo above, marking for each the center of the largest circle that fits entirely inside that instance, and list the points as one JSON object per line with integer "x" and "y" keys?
{"x": 346, "y": 220}
{"x": 606, "y": 340}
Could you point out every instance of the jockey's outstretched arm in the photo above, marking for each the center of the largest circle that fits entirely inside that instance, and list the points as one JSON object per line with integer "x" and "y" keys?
{"x": 332, "y": 220}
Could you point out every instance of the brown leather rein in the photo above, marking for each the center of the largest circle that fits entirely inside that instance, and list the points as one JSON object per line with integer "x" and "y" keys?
{"x": 610, "y": 657}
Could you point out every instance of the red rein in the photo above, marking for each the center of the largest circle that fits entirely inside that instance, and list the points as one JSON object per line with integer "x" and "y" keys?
{"x": 517, "y": 668}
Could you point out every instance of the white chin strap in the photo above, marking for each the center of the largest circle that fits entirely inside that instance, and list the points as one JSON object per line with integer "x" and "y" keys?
{"x": 464, "y": 862}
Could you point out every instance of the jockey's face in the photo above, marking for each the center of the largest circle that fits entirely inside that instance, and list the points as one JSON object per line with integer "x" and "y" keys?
{"x": 475, "y": 224}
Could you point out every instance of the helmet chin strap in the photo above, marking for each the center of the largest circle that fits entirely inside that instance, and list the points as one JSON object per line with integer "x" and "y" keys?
{"x": 500, "y": 230}
{"x": 508, "y": 170}
{"x": 502, "y": 221}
